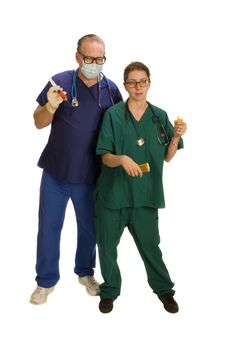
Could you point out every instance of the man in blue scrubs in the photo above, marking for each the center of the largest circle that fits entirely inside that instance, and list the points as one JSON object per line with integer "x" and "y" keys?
{"x": 73, "y": 103}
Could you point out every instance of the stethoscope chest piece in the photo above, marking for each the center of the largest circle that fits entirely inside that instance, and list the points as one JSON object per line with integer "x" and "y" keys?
{"x": 140, "y": 141}
{"x": 74, "y": 102}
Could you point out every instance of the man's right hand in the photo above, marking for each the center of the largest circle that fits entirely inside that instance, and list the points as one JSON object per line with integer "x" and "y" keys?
{"x": 53, "y": 98}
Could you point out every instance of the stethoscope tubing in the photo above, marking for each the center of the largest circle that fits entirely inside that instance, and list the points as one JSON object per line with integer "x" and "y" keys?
{"x": 154, "y": 119}
{"x": 74, "y": 97}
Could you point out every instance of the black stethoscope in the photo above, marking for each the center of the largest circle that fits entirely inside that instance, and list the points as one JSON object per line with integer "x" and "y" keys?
{"x": 140, "y": 141}
{"x": 74, "y": 99}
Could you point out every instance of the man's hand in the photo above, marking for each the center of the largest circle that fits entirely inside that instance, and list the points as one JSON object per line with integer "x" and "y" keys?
{"x": 54, "y": 99}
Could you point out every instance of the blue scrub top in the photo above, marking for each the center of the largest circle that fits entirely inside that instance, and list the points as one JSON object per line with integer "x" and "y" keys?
{"x": 70, "y": 152}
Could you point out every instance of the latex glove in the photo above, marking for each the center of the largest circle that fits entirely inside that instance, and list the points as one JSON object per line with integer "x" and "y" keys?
{"x": 54, "y": 99}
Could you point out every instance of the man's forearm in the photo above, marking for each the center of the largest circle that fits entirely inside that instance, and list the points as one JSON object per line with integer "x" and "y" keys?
{"x": 43, "y": 115}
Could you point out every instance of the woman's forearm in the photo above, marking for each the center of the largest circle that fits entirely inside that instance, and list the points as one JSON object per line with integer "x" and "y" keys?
{"x": 172, "y": 148}
{"x": 112, "y": 160}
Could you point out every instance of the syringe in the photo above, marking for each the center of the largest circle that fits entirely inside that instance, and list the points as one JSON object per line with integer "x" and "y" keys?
{"x": 60, "y": 92}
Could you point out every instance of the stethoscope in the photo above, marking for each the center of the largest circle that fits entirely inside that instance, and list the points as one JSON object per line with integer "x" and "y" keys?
{"x": 74, "y": 99}
{"x": 140, "y": 141}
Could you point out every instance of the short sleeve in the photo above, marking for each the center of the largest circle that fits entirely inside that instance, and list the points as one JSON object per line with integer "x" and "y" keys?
{"x": 42, "y": 98}
{"x": 170, "y": 132}
{"x": 105, "y": 143}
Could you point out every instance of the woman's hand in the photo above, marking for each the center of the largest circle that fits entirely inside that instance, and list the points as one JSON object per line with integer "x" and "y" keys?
{"x": 180, "y": 128}
{"x": 131, "y": 168}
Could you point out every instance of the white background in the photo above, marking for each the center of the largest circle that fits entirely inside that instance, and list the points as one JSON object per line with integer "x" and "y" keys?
{"x": 188, "y": 48}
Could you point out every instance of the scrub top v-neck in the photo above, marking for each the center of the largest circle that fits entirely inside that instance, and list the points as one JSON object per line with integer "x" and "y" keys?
{"x": 115, "y": 188}
{"x": 70, "y": 151}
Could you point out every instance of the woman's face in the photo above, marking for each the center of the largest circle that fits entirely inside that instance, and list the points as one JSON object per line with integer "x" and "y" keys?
{"x": 137, "y": 85}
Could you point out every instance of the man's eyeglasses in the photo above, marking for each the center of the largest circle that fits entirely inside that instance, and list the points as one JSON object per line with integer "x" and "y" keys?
{"x": 90, "y": 59}
{"x": 133, "y": 83}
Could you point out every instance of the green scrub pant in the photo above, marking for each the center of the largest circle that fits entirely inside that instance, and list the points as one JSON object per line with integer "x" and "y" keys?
{"x": 142, "y": 223}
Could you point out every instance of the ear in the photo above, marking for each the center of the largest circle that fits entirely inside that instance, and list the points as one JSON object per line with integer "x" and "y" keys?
{"x": 77, "y": 57}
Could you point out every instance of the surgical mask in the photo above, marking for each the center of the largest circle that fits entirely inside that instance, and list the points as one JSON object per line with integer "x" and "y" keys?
{"x": 91, "y": 71}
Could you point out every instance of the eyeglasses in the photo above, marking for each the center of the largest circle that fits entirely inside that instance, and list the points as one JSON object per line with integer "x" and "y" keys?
{"x": 90, "y": 59}
{"x": 133, "y": 83}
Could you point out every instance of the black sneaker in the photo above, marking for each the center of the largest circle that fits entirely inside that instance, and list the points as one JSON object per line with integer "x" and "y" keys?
{"x": 169, "y": 303}
{"x": 106, "y": 305}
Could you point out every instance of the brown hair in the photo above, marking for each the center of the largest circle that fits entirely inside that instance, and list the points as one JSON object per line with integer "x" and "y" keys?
{"x": 89, "y": 37}
{"x": 136, "y": 66}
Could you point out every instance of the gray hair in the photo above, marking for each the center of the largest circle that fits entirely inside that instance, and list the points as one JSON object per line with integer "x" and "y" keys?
{"x": 90, "y": 37}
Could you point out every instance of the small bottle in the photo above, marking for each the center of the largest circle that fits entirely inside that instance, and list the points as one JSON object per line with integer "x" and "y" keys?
{"x": 179, "y": 120}
{"x": 145, "y": 167}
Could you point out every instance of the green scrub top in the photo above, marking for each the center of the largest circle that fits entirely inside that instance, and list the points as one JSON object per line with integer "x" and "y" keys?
{"x": 115, "y": 189}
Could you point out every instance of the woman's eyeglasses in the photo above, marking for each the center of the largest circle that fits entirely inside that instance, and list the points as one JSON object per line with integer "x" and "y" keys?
{"x": 133, "y": 83}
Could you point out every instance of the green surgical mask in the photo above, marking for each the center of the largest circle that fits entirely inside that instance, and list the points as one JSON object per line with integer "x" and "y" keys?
{"x": 91, "y": 71}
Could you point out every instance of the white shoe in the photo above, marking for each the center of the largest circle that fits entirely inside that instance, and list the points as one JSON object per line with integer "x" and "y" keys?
{"x": 92, "y": 286}
{"x": 40, "y": 294}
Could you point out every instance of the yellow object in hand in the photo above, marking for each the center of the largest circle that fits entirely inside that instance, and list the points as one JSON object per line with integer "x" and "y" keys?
{"x": 145, "y": 167}
{"x": 179, "y": 120}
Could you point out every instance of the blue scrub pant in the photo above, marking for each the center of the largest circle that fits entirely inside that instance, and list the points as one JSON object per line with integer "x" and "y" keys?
{"x": 54, "y": 196}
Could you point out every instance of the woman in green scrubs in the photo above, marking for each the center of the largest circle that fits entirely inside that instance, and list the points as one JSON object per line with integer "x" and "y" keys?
{"x": 134, "y": 133}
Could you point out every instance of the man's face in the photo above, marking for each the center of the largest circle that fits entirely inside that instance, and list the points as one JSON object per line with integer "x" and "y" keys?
{"x": 89, "y": 48}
